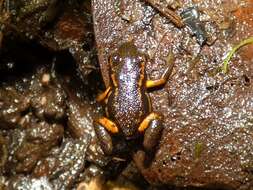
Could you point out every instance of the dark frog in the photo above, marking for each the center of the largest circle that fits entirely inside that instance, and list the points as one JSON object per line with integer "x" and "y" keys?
{"x": 128, "y": 106}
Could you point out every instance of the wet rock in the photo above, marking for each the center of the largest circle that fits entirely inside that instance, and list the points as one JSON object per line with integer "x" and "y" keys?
{"x": 16, "y": 138}
{"x": 27, "y": 156}
{"x": 57, "y": 25}
{"x": 80, "y": 119}
{"x": 13, "y": 104}
{"x": 30, "y": 17}
{"x": 74, "y": 32}
{"x": 48, "y": 98}
{"x": 91, "y": 172}
{"x": 81, "y": 111}
{"x": 27, "y": 145}
{"x": 48, "y": 138}
{"x": 45, "y": 167}
{"x": 65, "y": 166}
{"x": 80, "y": 123}
{"x": 38, "y": 141}
{"x": 206, "y": 140}
{"x": 45, "y": 133}
{"x": 42, "y": 144}
{"x": 28, "y": 183}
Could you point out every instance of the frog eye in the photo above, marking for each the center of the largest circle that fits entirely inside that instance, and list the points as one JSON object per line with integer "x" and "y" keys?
{"x": 114, "y": 59}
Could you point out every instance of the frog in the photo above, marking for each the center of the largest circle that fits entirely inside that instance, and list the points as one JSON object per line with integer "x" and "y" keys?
{"x": 128, "y": 107}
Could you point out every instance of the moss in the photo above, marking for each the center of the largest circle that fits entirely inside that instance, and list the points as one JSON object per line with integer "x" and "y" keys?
{"x": 232, "y": 52}
{"x": 198, "y": 150}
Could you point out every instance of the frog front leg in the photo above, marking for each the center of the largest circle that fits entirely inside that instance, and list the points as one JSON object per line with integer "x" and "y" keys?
{"x": 102, "y": 128}
{"x": 104, "y": 95}
{"x": 165, "y": 76}
{"x": 152, "y": 127}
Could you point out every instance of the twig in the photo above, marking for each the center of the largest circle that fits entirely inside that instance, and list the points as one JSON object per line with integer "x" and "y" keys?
{"x": 168, "y": 13}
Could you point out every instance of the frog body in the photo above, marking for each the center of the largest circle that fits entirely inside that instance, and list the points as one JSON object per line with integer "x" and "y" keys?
{"x": 127, "y": 104}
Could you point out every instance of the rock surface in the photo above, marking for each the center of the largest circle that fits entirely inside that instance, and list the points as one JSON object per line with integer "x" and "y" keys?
{"x": 208, "y": 136}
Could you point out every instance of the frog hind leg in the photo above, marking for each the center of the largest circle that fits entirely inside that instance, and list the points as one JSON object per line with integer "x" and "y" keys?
{"x": 152, "y": 135}
{"x": 152, "y": 126}
{"x": 102, "y": 128}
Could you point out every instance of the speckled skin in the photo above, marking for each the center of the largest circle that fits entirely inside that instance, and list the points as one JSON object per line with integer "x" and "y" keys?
{"x": 128, "y": 108}
{"x": 128, "y": 104}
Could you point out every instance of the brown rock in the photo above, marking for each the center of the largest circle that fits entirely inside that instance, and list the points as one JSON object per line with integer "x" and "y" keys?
{"x": 207, "y": 141}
